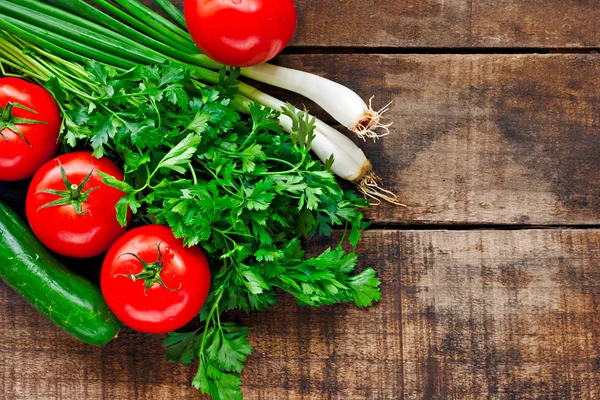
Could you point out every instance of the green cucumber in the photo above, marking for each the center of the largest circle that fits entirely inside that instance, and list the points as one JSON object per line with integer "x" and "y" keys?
{"x": 67, "y": 299}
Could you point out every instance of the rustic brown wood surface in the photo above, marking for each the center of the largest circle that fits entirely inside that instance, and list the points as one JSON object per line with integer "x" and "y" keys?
{"x": 477, "y": 301}
{"x": 464, "y": 315}
{"x": 447, "y": 23}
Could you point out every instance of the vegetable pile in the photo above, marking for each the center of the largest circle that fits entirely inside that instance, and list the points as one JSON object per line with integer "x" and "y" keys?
{"x": 153, "y": 137}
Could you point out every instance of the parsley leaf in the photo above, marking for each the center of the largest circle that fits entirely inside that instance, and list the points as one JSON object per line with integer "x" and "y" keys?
{"x": 181, "y": 154}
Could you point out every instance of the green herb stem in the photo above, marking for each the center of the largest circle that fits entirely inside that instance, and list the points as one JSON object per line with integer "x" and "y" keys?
{"x": 123, "y": 32}
{"x": 35, "y": 68}
{"x": 155, "y": 20}
{"x": 33, "y": 65}
{"x": 66, "y": 80}
{"x": 85, "y": 38}
{"x": 172, "y": 11}
{"x": 17, "y": 66}
{"x": 77, "y": 71}
{"x": 217, "y": 295}
{"x": 72, "y": 76}
{"x": 143, "y": 26}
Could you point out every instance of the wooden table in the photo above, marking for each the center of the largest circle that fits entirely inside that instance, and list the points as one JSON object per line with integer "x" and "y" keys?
{"x": 491, "y": 276}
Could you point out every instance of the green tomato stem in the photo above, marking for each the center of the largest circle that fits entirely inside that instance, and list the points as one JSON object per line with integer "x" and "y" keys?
{"x": 75, "y": 193}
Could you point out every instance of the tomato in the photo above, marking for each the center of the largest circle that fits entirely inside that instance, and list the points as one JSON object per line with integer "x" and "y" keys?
{"x": 241, "y": 33}
{"x": 29, "y": 128}
{"x": 152, "y": 282}
{"x": 76, "y": 217}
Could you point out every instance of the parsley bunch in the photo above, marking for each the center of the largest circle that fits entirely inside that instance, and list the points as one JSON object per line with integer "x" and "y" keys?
{"x": 237, "y": 186}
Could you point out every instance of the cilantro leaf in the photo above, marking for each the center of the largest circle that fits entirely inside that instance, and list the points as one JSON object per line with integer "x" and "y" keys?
{"x": 55, "y": 88}
{"x": 199, "y": 123}
{"x": 114, "y": 182}
{"x": 126, "y": 203}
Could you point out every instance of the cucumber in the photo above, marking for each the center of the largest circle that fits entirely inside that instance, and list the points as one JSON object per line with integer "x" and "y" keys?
{"x": 73, "y": 303}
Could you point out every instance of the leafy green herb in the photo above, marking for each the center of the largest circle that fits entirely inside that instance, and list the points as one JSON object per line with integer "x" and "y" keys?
{"x": 239, "y": 187}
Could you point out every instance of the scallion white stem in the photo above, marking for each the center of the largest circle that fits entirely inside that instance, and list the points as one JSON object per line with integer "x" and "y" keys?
{"x": 349, "y": 161}
{"x": 343, "y": 104}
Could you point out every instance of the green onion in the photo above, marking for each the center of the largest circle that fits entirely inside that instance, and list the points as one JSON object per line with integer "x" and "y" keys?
{"x": 172, "y": 11}
{"x": 155, "y": 20}
{"x": 108, "y": 43}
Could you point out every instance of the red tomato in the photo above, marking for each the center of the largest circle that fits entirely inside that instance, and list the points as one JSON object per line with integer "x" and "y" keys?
{"x": 241, "y": 33}
{"x": 150, "y": 290}
{"x": 22, "y": 154}
{"x": 75, "y": 218}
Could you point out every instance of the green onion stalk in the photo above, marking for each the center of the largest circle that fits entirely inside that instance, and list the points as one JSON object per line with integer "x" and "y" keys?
{"x": 139, "y": 22}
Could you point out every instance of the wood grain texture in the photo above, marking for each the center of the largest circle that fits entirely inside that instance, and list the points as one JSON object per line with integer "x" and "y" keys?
{"x": 480, "y": 139}
{"x": 446, "y": 23}
{"x": 501, "y": 314}
{"x": 465, "y": 315}
{"x": 39, "y": 361}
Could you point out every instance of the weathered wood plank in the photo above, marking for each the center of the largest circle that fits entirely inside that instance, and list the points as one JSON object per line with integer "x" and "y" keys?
{"x": 485, "y": 314}
{"x": 446, "y": 23}
{"x": 480, "y": 139}
{"x": 464, "y": 314}
{"x": 497, "y": 314}
{"x": 38, "y": 361}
